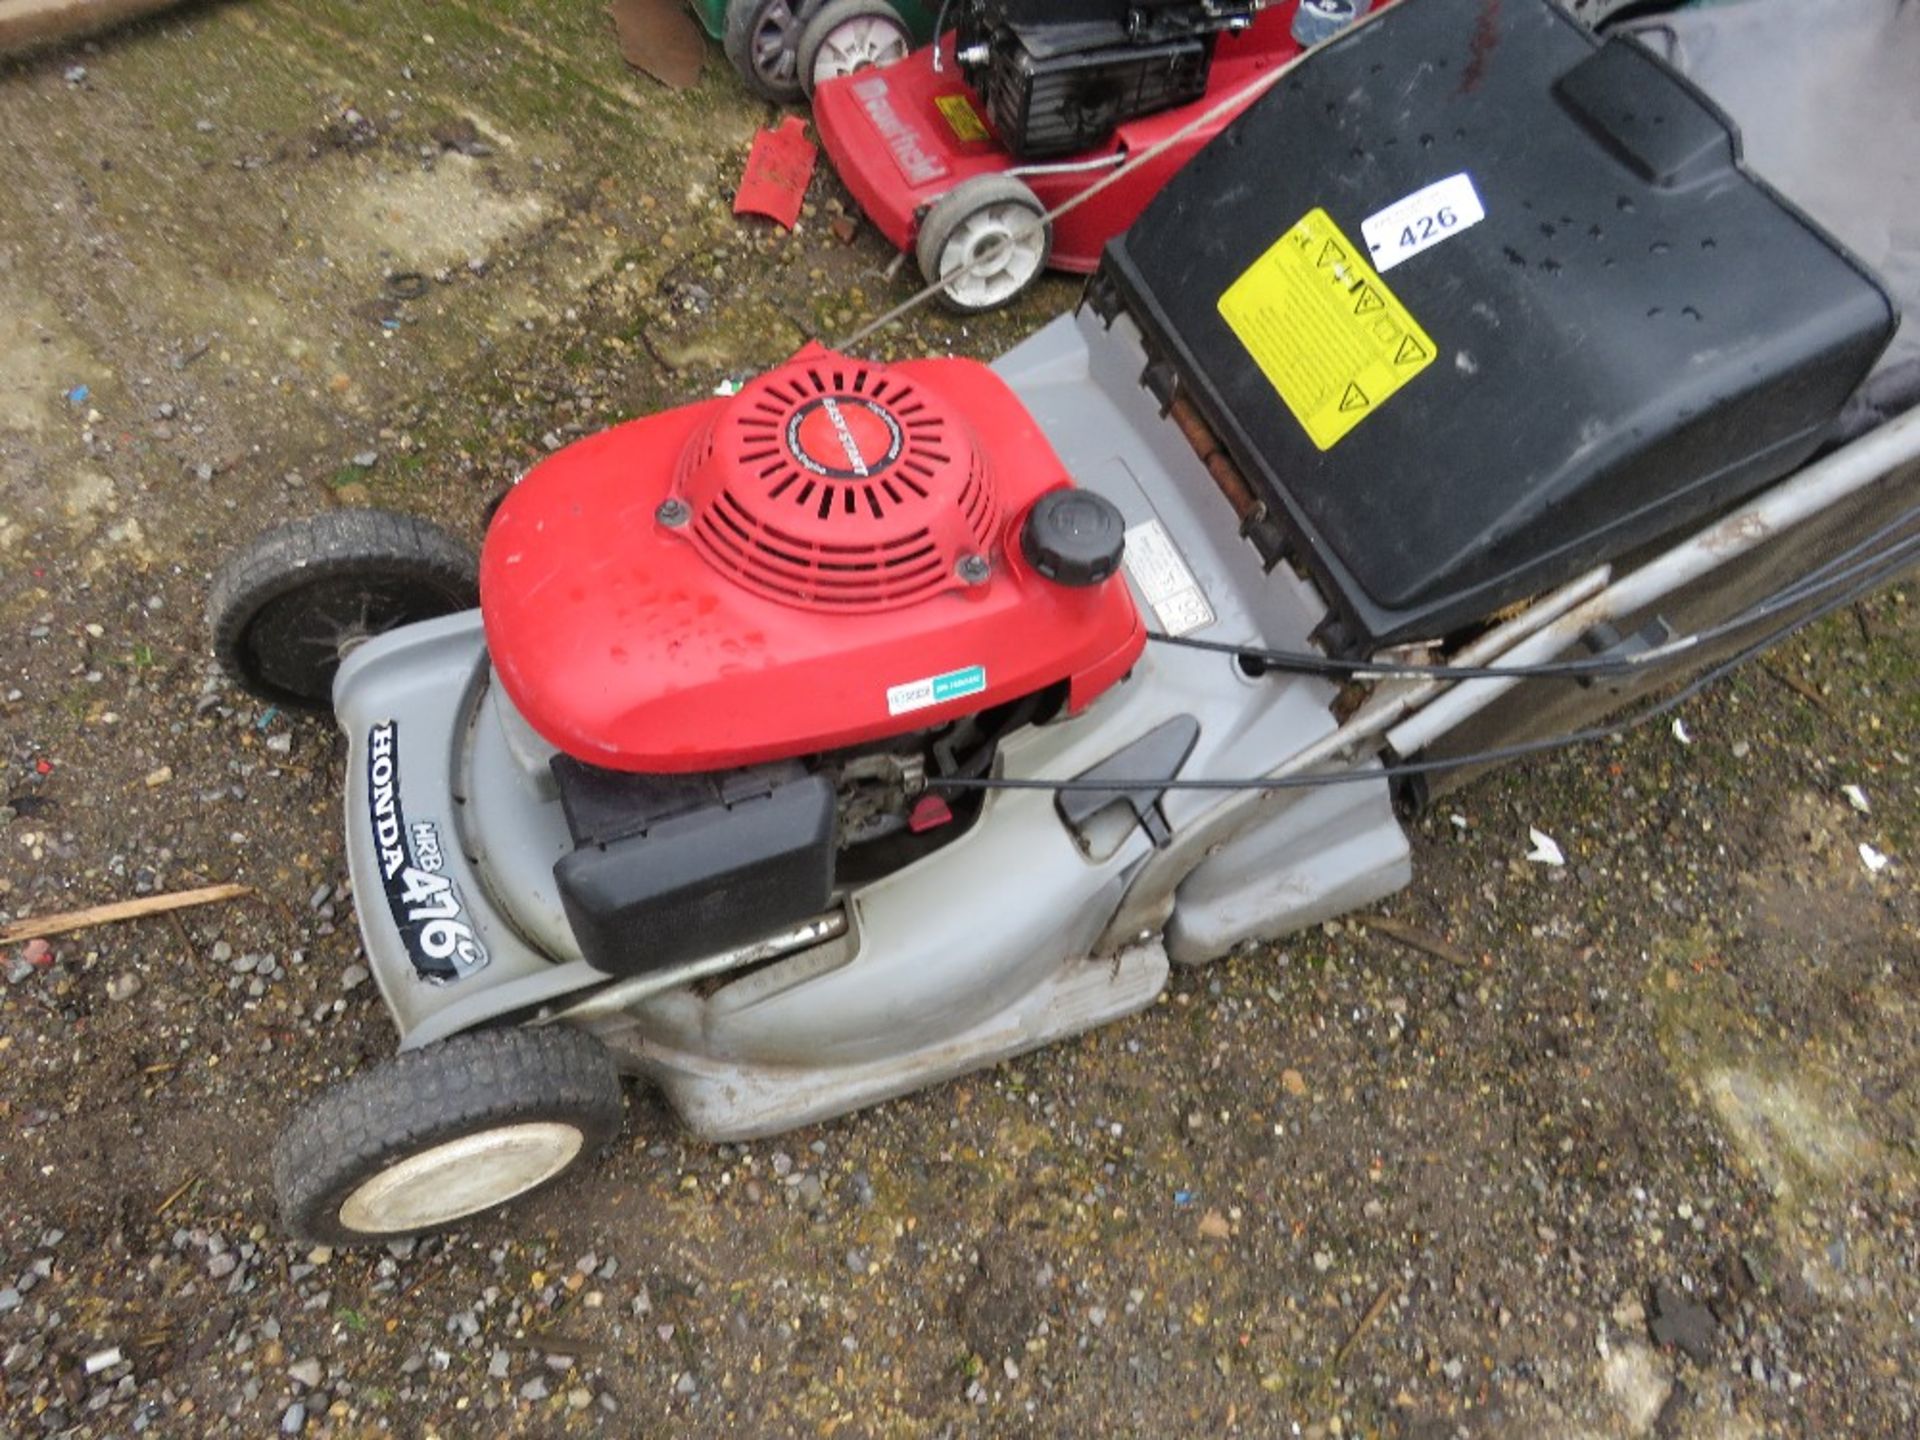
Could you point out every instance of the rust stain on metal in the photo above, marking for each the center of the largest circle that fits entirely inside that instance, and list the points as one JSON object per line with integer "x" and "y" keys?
{"x": 1221, "y": 469}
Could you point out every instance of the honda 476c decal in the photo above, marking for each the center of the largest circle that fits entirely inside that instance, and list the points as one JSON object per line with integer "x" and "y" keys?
{"x": 425, "y": 902}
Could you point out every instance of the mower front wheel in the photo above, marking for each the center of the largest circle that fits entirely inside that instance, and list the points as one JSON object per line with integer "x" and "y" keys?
{"x": 442, "y": 1133}
{"x": 844, "y": 37}
{"x": 762, "y": 41}
{"x": 286, "y": 610}
{"x": 982, "y": 233}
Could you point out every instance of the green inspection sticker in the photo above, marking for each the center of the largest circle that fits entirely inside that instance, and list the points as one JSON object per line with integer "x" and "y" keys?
{"x": 936, "y": 689}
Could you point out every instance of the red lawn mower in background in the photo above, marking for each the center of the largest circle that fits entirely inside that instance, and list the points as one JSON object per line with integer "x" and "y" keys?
{"x": 1027, "y": 103}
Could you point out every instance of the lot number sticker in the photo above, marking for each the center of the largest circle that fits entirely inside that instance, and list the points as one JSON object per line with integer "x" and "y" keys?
{"x": 1324, "y": 329}
{"x": 1422, "y": 220}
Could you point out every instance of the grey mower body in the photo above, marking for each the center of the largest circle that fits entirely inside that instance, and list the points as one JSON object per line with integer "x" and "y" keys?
{"x": 1024, "y": 930}
{"x": 1535, "y": 485}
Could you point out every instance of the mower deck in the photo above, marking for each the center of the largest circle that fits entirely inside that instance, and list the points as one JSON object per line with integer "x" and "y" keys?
{"x": 1022, "y": 931}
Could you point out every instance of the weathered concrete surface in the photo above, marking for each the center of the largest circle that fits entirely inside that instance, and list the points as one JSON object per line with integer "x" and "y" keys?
{"x": 30, "y": 24}
{"x": 1680, "y": 1069}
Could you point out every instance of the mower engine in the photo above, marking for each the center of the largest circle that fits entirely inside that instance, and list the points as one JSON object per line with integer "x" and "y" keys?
{"x": 829, "y": 592}
{"x": 1059, "y": 77}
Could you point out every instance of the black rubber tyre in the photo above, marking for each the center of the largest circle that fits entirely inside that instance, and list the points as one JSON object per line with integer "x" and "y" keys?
{"x": 285, "y": 611}
{"x": 970, "y": 220}
{"x": 877, "y": 24}
{"x": 762, "y": 41}
{"x": 484, "y": 1088}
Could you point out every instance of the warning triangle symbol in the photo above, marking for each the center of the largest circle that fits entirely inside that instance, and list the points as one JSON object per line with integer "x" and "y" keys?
{"x": 1369, "y": 301}
{"x": 1412, "y": 352}
{"x": 1354, "y": 399}
{"x": 1330, "y": 254}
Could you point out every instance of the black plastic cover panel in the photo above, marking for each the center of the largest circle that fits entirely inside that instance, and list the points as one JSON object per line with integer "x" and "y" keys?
{"x": 1827, "y": 98}
{"x": 670, "y": 868}
{"x": 1636, "y": 334}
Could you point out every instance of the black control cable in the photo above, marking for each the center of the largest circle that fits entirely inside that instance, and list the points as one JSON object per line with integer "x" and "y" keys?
{"x": 1835, "y": 572}
{"x": 1121, "y": 786}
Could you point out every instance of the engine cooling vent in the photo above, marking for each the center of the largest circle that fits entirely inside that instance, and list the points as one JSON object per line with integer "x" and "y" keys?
{"x": 834, "y": 484}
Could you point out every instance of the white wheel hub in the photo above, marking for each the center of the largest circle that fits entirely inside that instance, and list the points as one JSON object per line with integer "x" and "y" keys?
{"x": 998, "y": 265}
{"x": 858, "y": 44}
{"x": 461, "y": 1177}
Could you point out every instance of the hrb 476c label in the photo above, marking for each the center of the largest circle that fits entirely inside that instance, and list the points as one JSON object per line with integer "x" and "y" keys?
{"x": 425, "y": 902}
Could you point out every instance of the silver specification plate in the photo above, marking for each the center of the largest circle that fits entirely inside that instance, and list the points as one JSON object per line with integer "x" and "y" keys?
{"x": 1157, "y": 568}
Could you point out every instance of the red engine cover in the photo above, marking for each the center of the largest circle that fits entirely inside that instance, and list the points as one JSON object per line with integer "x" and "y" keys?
{"x": 829, "y": 557}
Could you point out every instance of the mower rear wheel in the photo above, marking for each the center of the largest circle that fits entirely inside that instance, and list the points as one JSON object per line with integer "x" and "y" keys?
{"x": 983, "y": 228}
{"x": 762, "y": 41}
{"x": 844, "y": 37}
{"x": 442, "y": 1133}
{"x": 286, "y": 610}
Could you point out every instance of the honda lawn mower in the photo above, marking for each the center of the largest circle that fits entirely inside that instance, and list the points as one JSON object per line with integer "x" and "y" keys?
{"x": 782, "y": 48}
{"x": 801, "y": 748}
{"x": 952, "y": 152}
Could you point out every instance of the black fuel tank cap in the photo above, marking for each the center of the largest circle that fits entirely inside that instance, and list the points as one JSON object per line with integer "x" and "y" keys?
{"x": 1073, "y": 537}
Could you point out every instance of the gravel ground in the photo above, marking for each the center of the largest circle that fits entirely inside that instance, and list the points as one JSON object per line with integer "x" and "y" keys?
{"x": 1632, "y": 1151}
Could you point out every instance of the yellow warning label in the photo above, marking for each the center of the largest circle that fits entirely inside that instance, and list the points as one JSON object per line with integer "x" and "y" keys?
{"x": 1324, "y": 329}
{"x": 960, "y": 117}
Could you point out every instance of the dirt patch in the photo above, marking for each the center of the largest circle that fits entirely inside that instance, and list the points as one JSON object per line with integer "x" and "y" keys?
{"x": 422, "y": 220}
{"x": 1787, "y": 1130}
{"x": 40, "y": 360}
{"x": 88, "y": 495}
